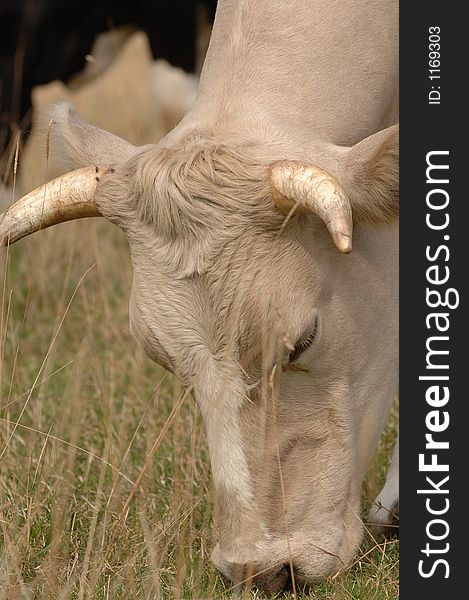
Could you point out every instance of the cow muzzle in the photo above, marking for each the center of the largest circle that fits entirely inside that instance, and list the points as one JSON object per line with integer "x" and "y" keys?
{"x": 271, "y": 575}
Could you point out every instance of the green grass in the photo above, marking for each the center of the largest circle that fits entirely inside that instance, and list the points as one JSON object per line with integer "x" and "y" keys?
{"x": 89, "y": 507}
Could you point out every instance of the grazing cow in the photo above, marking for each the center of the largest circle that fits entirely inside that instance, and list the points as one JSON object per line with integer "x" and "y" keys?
{"x": 245, "y": 283}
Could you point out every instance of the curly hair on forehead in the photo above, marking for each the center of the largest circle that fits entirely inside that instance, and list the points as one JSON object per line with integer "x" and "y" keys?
{"x": 200, "y": 183}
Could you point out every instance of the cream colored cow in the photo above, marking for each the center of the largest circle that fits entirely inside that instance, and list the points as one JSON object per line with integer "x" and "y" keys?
{"x": 248, "y": 282}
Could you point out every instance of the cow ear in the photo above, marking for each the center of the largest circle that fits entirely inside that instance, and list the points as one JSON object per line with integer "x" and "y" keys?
{"x": 75, "y": 143}
{"x": 370, "y": 177}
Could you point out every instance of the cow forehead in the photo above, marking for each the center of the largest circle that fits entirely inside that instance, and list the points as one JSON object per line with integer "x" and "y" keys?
{"x": 184, "y": 203}
{"x": 200, "y": 183}
{"x": 254, "y": 286}
{"x": 212, "y": 258}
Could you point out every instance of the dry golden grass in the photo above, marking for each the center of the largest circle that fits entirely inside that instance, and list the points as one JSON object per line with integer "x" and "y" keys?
{"x": 105, "y": 489}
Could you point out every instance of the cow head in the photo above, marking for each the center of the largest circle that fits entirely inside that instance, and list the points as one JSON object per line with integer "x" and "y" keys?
{"x": 244, "y": 288}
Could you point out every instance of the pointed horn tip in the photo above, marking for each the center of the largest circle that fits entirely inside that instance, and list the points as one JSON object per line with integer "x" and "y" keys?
{"x": 343, "y": 242}
{"x": 346, "y": 248}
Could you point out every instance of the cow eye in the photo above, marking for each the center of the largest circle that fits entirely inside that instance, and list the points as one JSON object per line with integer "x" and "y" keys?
{"x": 303, "y": 343}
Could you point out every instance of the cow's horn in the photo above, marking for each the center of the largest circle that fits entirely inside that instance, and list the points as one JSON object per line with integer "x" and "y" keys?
{"x": 63, "y": 199}
{"x": 303, "y": 188}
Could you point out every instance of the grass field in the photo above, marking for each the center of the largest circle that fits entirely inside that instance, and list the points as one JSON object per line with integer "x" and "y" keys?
{"x": 105, "y": 489}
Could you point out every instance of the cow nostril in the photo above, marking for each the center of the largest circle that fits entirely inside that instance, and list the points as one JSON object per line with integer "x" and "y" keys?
{"x": 270, "y": 580}
{"x": 291, "y": 582}
{"x": 295, "y": 582}
{"x": 273, "y": 580}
